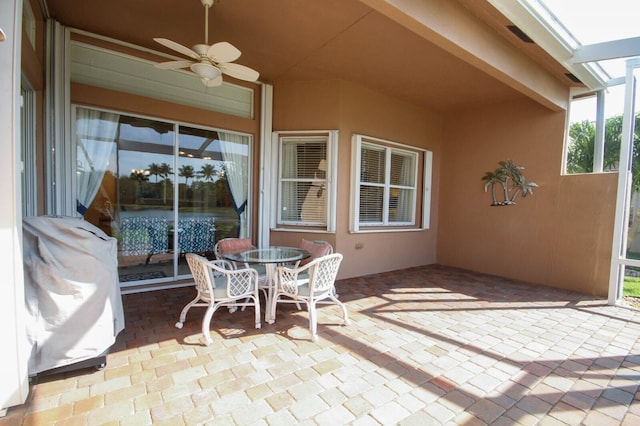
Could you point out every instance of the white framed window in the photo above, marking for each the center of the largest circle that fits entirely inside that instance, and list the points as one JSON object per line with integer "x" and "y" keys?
{"x": 306, "y": 179}
{"x": 390, "y": 185}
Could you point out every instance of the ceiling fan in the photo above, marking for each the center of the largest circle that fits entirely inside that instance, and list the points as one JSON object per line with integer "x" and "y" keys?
{"x": 209, "y": 62}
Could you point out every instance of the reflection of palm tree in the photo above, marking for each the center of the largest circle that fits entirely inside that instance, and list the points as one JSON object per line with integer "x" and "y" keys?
{"x": 139, "y": 175}
{"x": 165, "y": 170}
{"x": 186, "y": 172}
{"x": 208, "y": 172}
{"x": 154, "y": 170}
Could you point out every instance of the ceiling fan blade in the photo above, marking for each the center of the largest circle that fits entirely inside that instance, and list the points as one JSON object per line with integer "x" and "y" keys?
{"x": 174, "y": 65}
{"x": 177, "y": 47}
{"x": 223, "y": 52}
{"x": 240, "y": 72}
{"x": 213, "y": 82}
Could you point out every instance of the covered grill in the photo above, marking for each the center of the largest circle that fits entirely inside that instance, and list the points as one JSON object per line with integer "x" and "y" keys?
{"x": 73, "y": 301}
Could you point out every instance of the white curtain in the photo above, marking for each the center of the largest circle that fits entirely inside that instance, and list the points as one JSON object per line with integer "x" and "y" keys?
{"x": 235, "y": 153}
{"x": 96, "y": 136}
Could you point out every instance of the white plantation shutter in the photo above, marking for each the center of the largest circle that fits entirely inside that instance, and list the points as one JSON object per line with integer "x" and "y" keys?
{"x": 372, "y": 173}
{"x": 303, "y": 180}
{"x": 402, "y": 187}
{"x": 386, "y": 184}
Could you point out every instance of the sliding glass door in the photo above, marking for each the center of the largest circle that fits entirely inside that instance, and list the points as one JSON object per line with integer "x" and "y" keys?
{"x": 162, "y": 189}
{"x": 206, "y": 208}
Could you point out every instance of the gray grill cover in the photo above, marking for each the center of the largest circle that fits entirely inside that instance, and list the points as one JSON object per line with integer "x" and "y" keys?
{"x": 73, "y": 301}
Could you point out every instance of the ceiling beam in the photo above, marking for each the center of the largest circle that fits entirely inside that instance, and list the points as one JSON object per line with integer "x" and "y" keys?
{"x": 607, "y": 50}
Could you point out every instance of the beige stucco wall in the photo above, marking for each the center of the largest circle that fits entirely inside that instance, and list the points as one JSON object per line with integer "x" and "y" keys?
{"x": 350, "y": 108}
{"x": 561, "y": 236}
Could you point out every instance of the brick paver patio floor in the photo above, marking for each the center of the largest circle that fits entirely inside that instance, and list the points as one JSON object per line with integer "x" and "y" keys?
{"x": 428, "y": 345}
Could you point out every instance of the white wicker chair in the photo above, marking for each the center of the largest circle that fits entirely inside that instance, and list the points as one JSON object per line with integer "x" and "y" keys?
{"x": 317, "y": 248}
{"x": 311, "y": 284}
{"x": 245, "y": 243}
{"x": 218, "y": 284}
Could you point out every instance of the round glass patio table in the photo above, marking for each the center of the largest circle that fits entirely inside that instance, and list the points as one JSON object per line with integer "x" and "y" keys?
{"x": 270, "y": 257}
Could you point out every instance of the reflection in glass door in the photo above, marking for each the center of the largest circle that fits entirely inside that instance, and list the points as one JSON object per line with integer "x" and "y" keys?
{"x": 162, "y": 189}
{"x": 144, "y": 210}
{"x": 205, "y": 207}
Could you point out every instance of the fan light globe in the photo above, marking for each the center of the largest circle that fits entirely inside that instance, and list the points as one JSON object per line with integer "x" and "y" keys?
{"x": 207, "y": 71}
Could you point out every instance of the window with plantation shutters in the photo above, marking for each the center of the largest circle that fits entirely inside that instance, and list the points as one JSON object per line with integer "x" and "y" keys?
{"x": 305, "y": 191}
{"x": 387, "y": 185}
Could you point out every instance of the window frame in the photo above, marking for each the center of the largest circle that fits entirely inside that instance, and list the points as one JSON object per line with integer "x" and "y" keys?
{"x": 28, "y": 150}
{"x": 246, "y": 226}
{"x": 603, "y": 98}
{"x": 311, "y": 136}
{"x": 419, "y": 187}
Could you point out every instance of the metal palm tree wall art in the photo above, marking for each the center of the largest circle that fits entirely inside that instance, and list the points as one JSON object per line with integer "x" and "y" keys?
{"x": 509, "y": 176}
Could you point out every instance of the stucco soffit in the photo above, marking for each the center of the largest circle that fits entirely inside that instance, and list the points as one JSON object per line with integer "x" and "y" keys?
{"x": 451, "y": 27}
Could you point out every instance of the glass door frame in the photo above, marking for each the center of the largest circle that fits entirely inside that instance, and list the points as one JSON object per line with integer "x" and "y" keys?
{"x": 619, "y": 259}
{"x": 177, "y": 278}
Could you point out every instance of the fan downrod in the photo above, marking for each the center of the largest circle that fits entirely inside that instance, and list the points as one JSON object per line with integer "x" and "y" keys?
{"x": 207, "y": 4}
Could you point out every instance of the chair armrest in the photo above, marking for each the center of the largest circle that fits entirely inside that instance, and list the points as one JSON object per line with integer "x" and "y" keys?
{"x": 239, "y": 282}
{"x": 243, "y": 271}
{"x": 288, "y": 278}
{"x": 296, "y": 268}
{"x": 242, "y": 281}
{"x": 217, "y": 269}
{"x": 290, "y": 272}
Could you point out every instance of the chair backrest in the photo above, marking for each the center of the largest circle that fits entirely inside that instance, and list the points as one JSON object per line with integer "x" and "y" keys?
{"x": 317, "y": 248}
{"x": 231, "y": 245}
{"x": 206, "y": 271}
{"x": 323, "y": 272}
